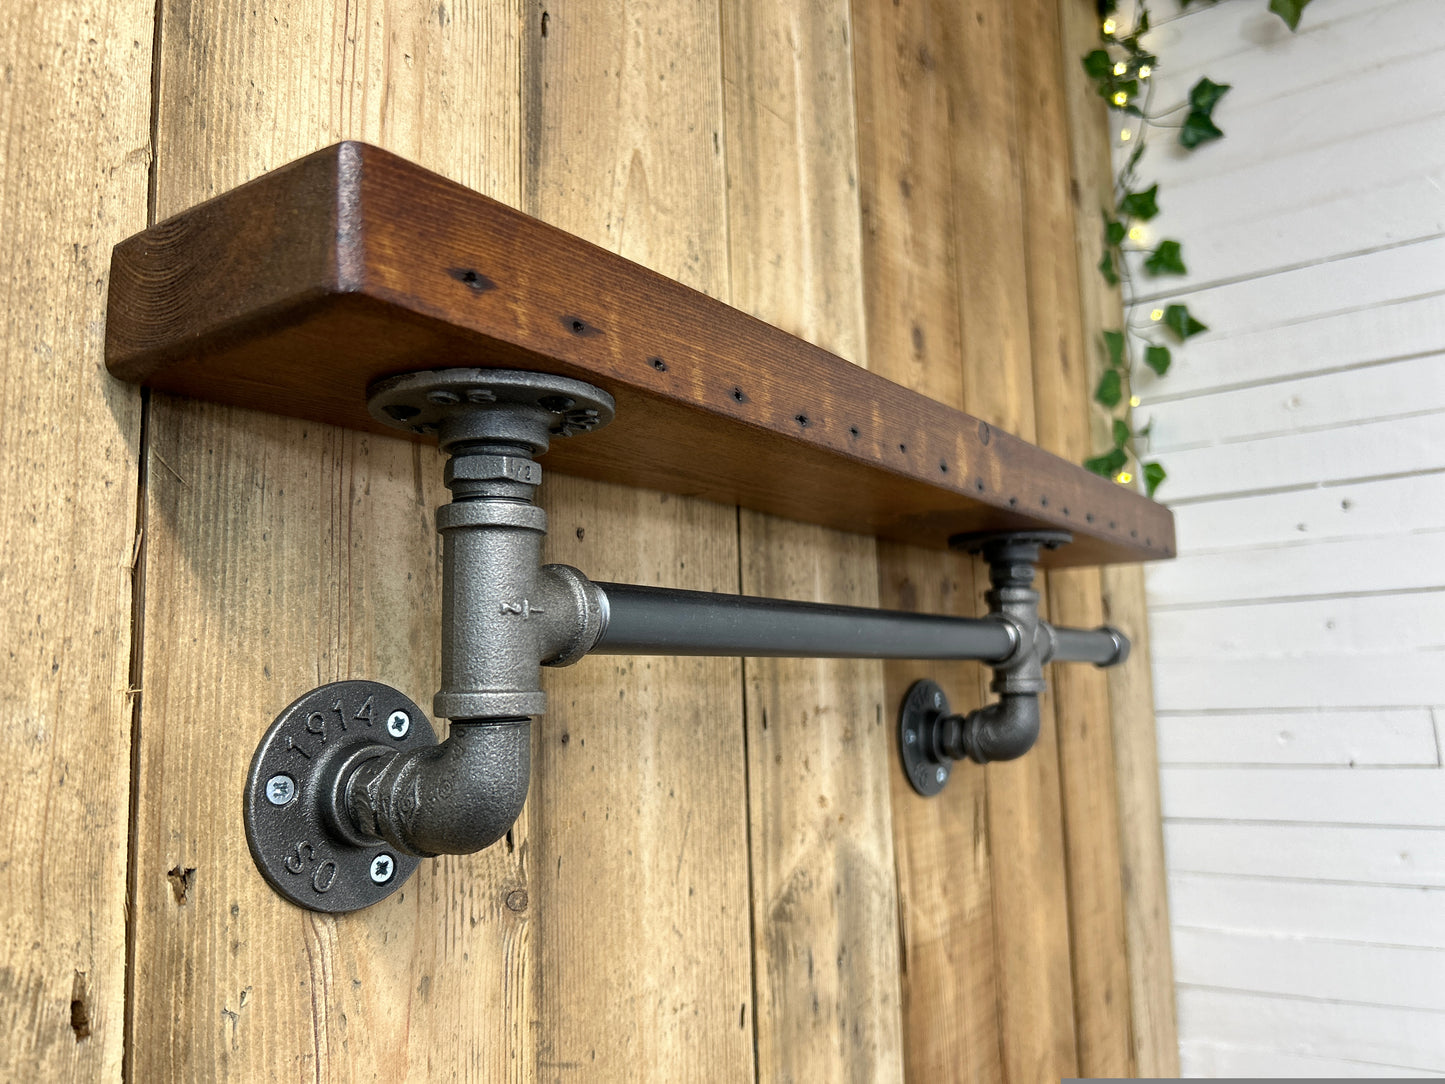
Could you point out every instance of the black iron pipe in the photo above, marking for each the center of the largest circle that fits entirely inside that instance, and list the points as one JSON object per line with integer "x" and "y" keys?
{"x": 661, "y": 621}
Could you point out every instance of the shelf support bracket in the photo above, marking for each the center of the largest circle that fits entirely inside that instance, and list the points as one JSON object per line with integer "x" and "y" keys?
{"x": 349, "y": 788}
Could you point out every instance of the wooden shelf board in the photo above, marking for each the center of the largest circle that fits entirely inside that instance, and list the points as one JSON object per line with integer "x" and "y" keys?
{"x": 292, "y": 293}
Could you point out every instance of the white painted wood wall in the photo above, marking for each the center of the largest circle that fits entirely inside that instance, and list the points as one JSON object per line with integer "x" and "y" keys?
{"x": 1299, "y": 640}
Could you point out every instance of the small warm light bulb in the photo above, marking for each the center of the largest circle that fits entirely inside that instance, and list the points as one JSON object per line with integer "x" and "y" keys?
{"x": 1145, "y": 71}
{"x": 1133, "y": 400}
{"x": 1120, "y": 68}
{"x": 1157, "y": 314}
{"x": 1125, "y": 135}
{"x": 1136, "y": 233}
{"x": 1121, "y": 98}
{"x": 1110, "y": 26}
{"x": 1123, "y": 478}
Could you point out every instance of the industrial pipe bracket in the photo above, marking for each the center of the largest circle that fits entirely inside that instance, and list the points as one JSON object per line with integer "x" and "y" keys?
{"x": 350, "y": 788}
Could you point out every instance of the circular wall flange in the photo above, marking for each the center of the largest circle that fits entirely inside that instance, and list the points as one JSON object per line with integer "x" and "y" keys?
{"x": 300, "y": 842}
{"x": 433, "y": 400}
{"x": 982, "y": 541}
{"x": 924, "y": 705}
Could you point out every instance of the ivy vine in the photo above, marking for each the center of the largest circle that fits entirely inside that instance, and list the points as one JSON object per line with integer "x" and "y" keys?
{"x": 1121, "y": 70}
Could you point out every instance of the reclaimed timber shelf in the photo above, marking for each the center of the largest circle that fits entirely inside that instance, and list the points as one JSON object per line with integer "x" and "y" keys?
{"x": 293, "y": 293}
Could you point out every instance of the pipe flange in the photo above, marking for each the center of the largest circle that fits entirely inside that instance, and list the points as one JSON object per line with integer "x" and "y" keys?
{"x": 918, "y": 719}
{"x": 454, "y": 404}
{"x": 983, "y": 541}
{"x": 301, "y": 843}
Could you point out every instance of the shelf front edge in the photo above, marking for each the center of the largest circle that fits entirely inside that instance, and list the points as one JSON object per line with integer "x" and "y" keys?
{"x": 292, "y": 293}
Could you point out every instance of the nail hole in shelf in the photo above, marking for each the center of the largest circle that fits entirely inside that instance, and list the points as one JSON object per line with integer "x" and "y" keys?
{"x": 943, "y": 467}
{"x": 1043, "y": 502}
{"x": 1013, "y": 502}
{"x": 903, "y": 448}
{"x": 658, "y": 364}
{"x": 739, "y": 395}
{"x": 802, "y": 420}
{"x": 978, "y": 485}
{"x": 853, "y": 431}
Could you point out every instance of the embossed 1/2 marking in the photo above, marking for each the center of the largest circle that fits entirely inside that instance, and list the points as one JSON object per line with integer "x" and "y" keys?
{"x": 523, "y": 609}
{"x": 296, "y": 860}
{"x": 324, "y": 877}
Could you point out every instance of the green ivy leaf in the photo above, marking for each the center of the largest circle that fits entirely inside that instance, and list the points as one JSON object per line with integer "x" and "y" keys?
{"x": 1121, "y": 433}
{"x": 1178, "y": 320}
{"x": 1108, "y": 464}
{"x": 1205, "y": 95}
{"x": 1106, "y": 268}
{"x": 1141, "y": 205}
{"x": 1166, "y": 260}
{"x": 1157, "y": 358}
{"x": 1098, "y": 65}
{"x": 1289, "y": 11}
{"x": 1197, "y": 129}
{"x": 1110, "y": 390}
{"x": 1113, "y": 232}
{"x": 1154, "y": 475}
{"x": 1114, "y": 344}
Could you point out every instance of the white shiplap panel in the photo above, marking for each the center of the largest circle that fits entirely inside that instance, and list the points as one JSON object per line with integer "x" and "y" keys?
{"x": 1410, "y": 1038}
{"x": 1323, "y": 852}
{"x": 1411, "y": 978}
{"x": 1410, "y": 680}
{"x": 1378, "y": 736}
{"x": 1360, "y": 510}
{"x": 1218, "y": 1060}
{"x": 1233, "y": 356}
{"x": 1368, "y": 624}
{"x": 1329, "y": 400}
{"x": 1402, "y": 797}
{"x": 1367, "y": 450}
{"x": 1367, "y": 914}
{"x": 1407, "y": 562}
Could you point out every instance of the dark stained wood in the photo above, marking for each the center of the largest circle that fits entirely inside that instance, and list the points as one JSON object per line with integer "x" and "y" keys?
{"x": 292, "y": 293}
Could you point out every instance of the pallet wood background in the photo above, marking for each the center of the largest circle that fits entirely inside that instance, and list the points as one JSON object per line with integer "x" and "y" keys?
{"x": 721, "y": 874}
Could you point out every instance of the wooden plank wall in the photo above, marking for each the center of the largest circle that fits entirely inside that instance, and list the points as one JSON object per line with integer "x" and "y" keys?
{"x": 721, "y": 874}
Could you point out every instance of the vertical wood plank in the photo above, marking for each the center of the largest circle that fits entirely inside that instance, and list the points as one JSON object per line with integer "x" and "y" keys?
{"x": 1081, "y": 694}
{"x": 824, "y": 903}
{"x": 1024, "y": 815}
{"x": 639, "y": 810}
{"x": 283, "y": 555}
{"x": 950, "y": 1012}
{"x": 1136, "y": 768}
{"x": 74, "y": 135}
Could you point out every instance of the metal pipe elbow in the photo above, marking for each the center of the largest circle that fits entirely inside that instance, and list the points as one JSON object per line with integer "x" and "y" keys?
{"x": 1003, "y": 730}
{"x": 453, "y": 798}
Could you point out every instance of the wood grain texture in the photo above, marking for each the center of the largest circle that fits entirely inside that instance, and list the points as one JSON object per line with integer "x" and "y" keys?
{"x": 1061, "y": 385}
{"x": 355, "y": 264}
{"x": 74, "y": 83}
{"x": 1034, "y": 976}
{"x": 823, "y": 891}
{"x": 941, "y": 852}
{"x": 639, "y": 816}
{"x": 284, "y": 554}
{"x": 1131, "y": 697}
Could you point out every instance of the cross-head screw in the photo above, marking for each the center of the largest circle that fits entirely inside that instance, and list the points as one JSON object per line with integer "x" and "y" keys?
{"x": 398, "y": 723}
{"x": 280, "y": 789}
{"x": 383, "y": 868}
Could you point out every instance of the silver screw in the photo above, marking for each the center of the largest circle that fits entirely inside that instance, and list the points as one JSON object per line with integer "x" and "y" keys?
{"x": 941, "y": 774}
{"x": 280, "y": 789}
{"x": 909, "y": 737}
{"x": 383, "y": 868}
{"x": 398, "y": 723}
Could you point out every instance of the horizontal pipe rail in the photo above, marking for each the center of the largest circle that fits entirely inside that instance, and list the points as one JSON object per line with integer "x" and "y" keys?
{"x": 663, "y": 621}
{"x": 659, "y": 621}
